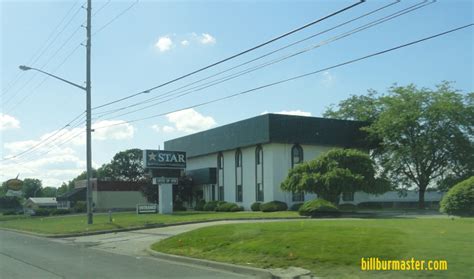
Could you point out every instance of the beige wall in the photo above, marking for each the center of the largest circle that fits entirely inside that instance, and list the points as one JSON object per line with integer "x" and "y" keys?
{"x": 104, "y": 200}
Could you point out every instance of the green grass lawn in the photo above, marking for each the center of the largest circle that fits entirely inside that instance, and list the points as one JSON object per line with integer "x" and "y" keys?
{"x": 334, "y": 248}
{"x": 78, "y": 223}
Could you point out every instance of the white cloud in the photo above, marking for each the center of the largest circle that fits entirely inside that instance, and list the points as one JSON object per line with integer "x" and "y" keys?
{"x": 328, "y": 79}
{"x": 112, "y": 129}
{"x": 184, "y": 42}
{"x": 8, "y": 122}
{"x": 207, "y": 39}
{"x": 164, "y": 43}
{"x": 187, "y": 121}
{"x": 164, "y": 129}
{"x": 290, "y": 112}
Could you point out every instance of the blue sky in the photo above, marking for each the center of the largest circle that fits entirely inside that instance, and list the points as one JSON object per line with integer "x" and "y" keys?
{"x": 156, "y": 41}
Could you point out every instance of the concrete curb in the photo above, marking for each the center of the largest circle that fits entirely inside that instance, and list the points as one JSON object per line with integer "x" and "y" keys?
{"x": 251, "y": 271}
{"x": 150, "y": 226}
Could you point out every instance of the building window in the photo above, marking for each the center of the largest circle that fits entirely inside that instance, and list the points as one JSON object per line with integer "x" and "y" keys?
{"x": 238, "y": 176}
{"x": 348, "y": 196}
{"x": 259, "y": 174}
{"x": 220, "y": 176}
{"x": 297, "y": 158}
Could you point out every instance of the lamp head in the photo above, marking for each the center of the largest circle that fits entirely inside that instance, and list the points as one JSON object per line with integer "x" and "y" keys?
{"x": 24, "y": 68}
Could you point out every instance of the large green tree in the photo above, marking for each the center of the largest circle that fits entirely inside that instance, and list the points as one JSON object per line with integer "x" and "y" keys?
{"x": 424, "y": 135}
{"x": 125, "y": 166}
{"x": 31, "y": 187}
{"x": 334, "y": 172}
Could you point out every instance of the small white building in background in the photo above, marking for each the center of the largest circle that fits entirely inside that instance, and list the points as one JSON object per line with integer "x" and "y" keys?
{"x": 32, "y": 204}
{"x": 246, "y": 161}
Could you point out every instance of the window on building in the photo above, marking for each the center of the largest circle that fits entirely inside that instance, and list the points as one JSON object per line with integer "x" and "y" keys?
{"x": 220, "y": 176}
{"x": 238, "y": 176}
{"x": 296, "y": 158}
{"x": 259, "y": 174}
{"x": 348, "y": 196}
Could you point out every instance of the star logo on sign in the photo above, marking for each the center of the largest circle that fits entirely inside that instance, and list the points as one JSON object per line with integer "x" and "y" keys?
{"x": 152, "y": 156}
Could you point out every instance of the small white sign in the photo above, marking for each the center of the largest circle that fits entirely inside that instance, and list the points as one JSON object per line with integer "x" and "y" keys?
{"x": 147, "y": 208}
{"x": 165, "y": 180}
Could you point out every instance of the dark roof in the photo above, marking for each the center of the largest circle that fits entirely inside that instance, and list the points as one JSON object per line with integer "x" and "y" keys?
{"x": 76, "y": 194}
{"x": 275, "y": 128}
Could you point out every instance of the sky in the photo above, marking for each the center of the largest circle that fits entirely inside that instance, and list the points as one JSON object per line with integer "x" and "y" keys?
{"x": 138, "y": 45}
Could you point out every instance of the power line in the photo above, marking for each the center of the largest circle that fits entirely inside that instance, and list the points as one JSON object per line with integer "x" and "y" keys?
{"x": 42, "y": 47}
{"x": 32, "y": 63}
{"x": 115, "y": 18}
{"x": 234, "y": 56}
{"x": 252, "y": 60}
{"x": 53, "y": 55}
{"x": 294, "y": 78}
{"x": 266, "y": 64}
{"x": 37, "y": 145}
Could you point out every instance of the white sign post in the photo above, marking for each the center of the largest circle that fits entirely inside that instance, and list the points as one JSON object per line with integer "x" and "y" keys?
{"x": 165, "y": 204}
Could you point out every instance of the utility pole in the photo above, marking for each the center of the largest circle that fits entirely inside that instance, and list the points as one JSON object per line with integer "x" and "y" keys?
{"x": 88, "y": 115}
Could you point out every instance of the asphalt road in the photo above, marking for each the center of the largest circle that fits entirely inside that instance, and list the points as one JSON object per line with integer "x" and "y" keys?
{"x": 24, "y": 256}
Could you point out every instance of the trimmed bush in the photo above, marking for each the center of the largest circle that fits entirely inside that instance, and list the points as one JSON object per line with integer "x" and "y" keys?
{"x": 60, "y": 211}
{"x": 212, "y": 205}
{"x": 42, "y": 212}
{"x": 347, "y": 207}
{"x": 370, "y": 205}
{"x": 255, "y": 206}
{"x": 296, "y": 206}
{"x": 228, "y": 207}
{"x": 178, "y": 206}
{"x": 200, "y": 205}
{"x": 318, "y": 207}
{"x": 80, "y": 207}
{"x": 273, "y": 206}
{"x": 10, "y": 212}
{"x": 459, "y": 200}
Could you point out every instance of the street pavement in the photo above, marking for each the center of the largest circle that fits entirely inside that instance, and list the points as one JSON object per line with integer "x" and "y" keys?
{"x": 25, "y": 256}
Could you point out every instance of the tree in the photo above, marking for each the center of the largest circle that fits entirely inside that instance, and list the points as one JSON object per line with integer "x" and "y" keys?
{"x": 334, "y": 172}
{"x": 49, "y": 192}
{"x": 31, "y": 188}
{"x": 65, "y": 187}
{"x": 425, "y": 135}
{"x": 125, "y": 166}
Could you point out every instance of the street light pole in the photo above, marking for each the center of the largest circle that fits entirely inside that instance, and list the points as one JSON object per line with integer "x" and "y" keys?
{"x": 88, "y": 109}
{"x": 88, "y": 114}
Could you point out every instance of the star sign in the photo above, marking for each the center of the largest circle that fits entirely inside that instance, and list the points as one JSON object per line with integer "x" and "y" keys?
{"x": 152, "y": 156}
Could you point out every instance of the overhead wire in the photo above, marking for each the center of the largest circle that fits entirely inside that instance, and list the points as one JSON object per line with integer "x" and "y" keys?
{"x": 265, "y": 64}
{"x": 19, "y": 73}
{"x": 53, "y": 56}
{"x": 233, "y": 56}
{"x": 293, "y": 78}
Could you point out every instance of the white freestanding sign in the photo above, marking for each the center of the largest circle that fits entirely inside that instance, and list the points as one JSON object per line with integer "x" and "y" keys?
{"x": 165, "y": 204}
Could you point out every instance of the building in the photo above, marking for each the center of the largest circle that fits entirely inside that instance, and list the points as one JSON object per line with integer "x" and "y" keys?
{"x": 106, "y": 195}
{"x": 246, "y": 161}
{"x": 32, "y": 204}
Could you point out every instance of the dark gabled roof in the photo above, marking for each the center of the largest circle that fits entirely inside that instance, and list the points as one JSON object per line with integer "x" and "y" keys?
{"x": 76, "y": 194}
{"x": 275, "y": 128}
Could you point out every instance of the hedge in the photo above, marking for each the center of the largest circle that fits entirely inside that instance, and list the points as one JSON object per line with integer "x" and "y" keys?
{"x": 212, "y": 205}
{"x": 200, "y": 205}
{"x": 229, "y": 207}
{"x": 273, "y": 206}
{"x": 255, "y": 206}
{"x": 318, "y": 207}
{"x": 296, "y": 206}
{"x": 459, "y": 200}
